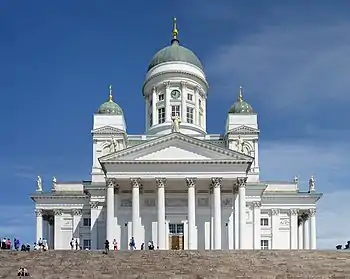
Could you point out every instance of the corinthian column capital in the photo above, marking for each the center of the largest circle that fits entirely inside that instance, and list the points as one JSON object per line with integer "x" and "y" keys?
{"x": 161, "y": 182}
{"x": 135, "y": 182}
{"x": 38, "y": 212}
{"x": 216, "y": 182}
{"x": 241, "y": 182}
{"x": 191, "y": 182}
{"x": 111, "y": 182}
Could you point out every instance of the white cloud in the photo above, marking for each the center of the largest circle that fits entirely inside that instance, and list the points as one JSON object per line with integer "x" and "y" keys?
{"x": 284, "y": 65}
{"x": 329, "y": 164}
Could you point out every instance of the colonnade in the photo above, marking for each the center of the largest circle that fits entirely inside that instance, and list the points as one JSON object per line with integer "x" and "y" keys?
{"x": 216, "y": 184}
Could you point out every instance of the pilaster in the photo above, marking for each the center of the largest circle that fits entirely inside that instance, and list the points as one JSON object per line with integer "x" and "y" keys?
{"x": 274, "y": 213}
{"x": 167, "y": 101}
{"x": 58, "y": 245}
{"x": 77, "y": 214}
{"x": 256, "y": 225}
{"x": 95, "y": 210}
{"x": 293, "y": 228}
{"x": 183, "y": 101}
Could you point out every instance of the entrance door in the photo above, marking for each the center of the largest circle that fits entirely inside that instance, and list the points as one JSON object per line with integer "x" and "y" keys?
{"x": 176, "y": 236}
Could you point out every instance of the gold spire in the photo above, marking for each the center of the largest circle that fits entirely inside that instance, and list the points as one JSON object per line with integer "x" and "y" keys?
{"x": 110, "y": 94}
{"x": 240, "y": 95}
{"x": 175, "y": 31}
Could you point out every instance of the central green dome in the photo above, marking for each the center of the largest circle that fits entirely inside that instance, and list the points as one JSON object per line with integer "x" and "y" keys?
{"x": 174, "y": 53}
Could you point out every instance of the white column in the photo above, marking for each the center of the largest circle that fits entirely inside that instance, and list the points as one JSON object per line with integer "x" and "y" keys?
{"x": 257, "y": 226}
{"x": 77, "y": 213}
{"x": 274, "y": 227}
{"x": 217, "y": 182}
{"x": 204, "y": 105}
{"x": 39, "y": 224}
{"x": 242, "y": 211}
{"x": 161, "y": 183}
{"x": 236, "y": 220}
{"x": 300, "y": 233}
{"x": 306, "y": 236}
{"x": 167, "y": 102}
{"x": 147, "y": 112}
{"x": 191, "y": 183}
{"x": 293, "y": 228}
{"x": 196, "y": 110}
{"x": 135, "y": 183}
{"x": 110, "y": 225}
{"x": 58, "y": 232}
{"x": 94, "y": 213}
{"x": 211, "y": 218}
{"x": 183, "y": 101}
{"x": 154, "y": 107}
{"x": 312, "y": 216}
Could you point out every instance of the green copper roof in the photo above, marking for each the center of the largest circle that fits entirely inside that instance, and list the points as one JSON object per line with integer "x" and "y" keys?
{"x": 110, "y": 107}
{"x": 175, "y": 52}
{"x": 241, "y": 106}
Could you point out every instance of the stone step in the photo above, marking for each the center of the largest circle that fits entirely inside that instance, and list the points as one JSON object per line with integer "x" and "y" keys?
{"x": 177, "y": 264}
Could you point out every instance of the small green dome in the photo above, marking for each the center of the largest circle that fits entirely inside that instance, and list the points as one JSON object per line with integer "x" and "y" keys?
{"x": 110, "y": 107}
{"x": 241, "y": 106}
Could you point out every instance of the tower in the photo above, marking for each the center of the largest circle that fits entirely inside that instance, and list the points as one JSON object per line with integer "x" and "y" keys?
{"x": 108, "y": 133}
{"x": 175, "y": 85}
{"x": 242, "y": 131}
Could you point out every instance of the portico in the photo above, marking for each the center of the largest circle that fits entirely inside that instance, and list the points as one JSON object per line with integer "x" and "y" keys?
{"x": 211, "y": 188}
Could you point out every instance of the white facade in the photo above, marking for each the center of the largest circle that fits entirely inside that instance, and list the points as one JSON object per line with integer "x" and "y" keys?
{"x": 181, "y": 189}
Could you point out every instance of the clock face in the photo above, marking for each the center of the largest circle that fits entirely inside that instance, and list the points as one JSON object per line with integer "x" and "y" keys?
{"x": 175, "y": 94}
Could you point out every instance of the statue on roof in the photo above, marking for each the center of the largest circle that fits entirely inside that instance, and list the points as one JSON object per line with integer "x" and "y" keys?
{"x": 239, "y": 144}
{"x": 176, "y": 124}
{"x": 296, "y": 179}
{"x": 54, "y": 183}
{"x": 312, "y": 184}
{"x": 113, "y": 145}
{"x": 39, "y": 184}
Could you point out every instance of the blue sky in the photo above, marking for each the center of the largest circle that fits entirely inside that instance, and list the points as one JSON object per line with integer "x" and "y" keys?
{"x": 58, "y": 58}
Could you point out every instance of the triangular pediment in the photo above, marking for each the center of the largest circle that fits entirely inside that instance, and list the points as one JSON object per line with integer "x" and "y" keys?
{"x": 107, "y": 130}
{"x": 176, "y": 147}
{"x": 243, "y": 129}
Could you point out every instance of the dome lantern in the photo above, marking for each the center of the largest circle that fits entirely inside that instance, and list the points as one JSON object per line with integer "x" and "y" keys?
{"x": 175, "y": 53}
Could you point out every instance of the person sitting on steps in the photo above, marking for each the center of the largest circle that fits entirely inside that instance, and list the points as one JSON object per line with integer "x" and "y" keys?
{"x": 22, "y": 271}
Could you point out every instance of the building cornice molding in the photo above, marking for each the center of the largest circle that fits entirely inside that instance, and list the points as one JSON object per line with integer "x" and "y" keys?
{"x": 179, "y": 162}
{"x": 173, "y": 72}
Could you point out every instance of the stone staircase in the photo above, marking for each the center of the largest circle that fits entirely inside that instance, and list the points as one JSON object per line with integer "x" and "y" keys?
{"x": 177, "y": 264}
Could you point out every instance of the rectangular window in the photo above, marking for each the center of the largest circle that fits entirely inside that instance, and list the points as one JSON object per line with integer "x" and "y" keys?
{"x": 180, "y": 228}
{"x": 189, "y": 97}
{"x": 200, "y": 103}
{"x": 172, "y": 228}
{"x": 189, "y": 115}
{"x": 87, "y": 222}
{"x": 175, "y": 110}
{"x": 86, "y": 244}
{"x": 150, "y": 119}
{"x": 264, "y": 244}
{"x": 161, "y": 115}
{"x": 161, "y": 97}
{"x": 150, "y": 103}
{"x": 264, "y": 222}
{"x": 200, "y": 119}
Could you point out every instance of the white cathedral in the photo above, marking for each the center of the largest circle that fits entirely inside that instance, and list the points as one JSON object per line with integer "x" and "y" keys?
{"x": 176, "y": 185}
